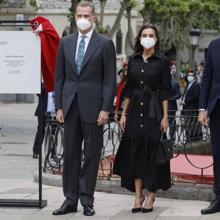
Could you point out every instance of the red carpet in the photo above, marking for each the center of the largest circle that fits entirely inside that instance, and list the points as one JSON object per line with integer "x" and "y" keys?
{"x": 181, "y": 168}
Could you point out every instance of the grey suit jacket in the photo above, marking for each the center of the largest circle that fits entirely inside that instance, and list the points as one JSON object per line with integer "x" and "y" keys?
{"x": 95, "y": 85}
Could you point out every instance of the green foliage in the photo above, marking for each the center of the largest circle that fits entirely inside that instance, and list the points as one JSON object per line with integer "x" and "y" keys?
{"x": 33, "y": 3}
{"x": 175, "y": 18}
{"x": 71, "y": 15}
{"x": 202, "y": 12}
{"x": 132, "y": 3}
{"x": 101, "y": 29}
{"x": 185, "y": 68}
{"x": 208, "y": 15}
{"x": 2, "y": 1}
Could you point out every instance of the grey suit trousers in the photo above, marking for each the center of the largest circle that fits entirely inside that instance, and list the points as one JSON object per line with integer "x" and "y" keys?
{"x": 80, "y": 167}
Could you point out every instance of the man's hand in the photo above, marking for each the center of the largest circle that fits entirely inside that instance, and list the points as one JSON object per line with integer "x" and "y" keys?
{"x": 203, "y": 119}
{"x": 59, "y": 116}
{"x": 103, "y": 118}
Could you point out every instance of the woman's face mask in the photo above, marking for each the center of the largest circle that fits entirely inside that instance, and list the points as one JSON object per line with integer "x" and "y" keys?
{"x": 148, "y": 42}
{"x": 148, "y": 38}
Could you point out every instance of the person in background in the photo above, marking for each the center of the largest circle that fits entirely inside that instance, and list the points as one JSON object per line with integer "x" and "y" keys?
{"x": 190, "y": 103}
{"x": 172, "y": 104}
{"x": 120, "y": 90}
{"x": 182, "y": 82}
{"x": 51, "y": 103}
{"x": 41, "y": 119}
{"x": 200, "y": 71}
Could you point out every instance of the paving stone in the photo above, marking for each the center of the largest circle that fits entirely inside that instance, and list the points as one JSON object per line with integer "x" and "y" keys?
{"x": 215, "y": 216}
{"x": 12, "y": 216}
{"x": 178, "y": 217}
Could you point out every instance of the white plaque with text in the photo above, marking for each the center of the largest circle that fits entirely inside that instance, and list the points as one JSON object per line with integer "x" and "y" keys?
{"x": 20, "y": 62}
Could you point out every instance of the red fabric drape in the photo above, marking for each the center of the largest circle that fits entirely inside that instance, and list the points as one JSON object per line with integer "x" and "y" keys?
{"x": 120, "y": 88}
{"x": 49, "y": 44}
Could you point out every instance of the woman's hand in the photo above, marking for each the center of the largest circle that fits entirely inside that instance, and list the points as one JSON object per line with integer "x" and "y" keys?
{"x": 123, "y": 121}
{"x": 164, "y": 124}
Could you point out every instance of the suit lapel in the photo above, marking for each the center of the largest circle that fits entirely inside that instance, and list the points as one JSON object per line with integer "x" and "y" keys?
{"x": 93, "y": 44}
{"x": 72, "y": 51}
{"x": 185, "y": 91}
{"x": 191, "y": 87}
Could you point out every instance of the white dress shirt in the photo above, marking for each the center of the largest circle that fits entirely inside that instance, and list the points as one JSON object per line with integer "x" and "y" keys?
{"x": 87, "y": 39}
{"x": 50, "y": 102}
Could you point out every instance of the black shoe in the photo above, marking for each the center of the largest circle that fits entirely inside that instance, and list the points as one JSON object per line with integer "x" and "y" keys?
{"x": 88, "y": 211}
{"x": 136, "y": 210}
{"x": 213, "y": 208}
{"x": 35, "y": 156}
{"x": 144, "y": 210}
{"x": 64, "y": 209}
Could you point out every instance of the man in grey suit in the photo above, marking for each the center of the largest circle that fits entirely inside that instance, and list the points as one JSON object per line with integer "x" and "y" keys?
{"x": 84, "y": 93}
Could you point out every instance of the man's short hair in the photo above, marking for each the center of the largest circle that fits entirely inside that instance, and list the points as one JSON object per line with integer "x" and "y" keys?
{"x": 86, "y": 4}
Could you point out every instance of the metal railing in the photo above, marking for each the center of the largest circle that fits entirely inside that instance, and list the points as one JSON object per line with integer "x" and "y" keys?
{"x": 188, "y": 136}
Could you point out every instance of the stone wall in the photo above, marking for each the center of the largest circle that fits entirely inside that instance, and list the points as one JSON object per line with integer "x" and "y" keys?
{"x": 111, "y": 5}
{"x": 15, "y": 4}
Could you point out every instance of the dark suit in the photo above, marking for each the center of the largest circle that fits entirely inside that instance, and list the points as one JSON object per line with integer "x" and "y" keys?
{"x": 82, "y": 97}
{"x": 191, "y": 96}
{"x": 172, "y": 107}
{"x": 210, "y": 100}
{"x": 190, "y": 111}
{"x": 41, "y": 117}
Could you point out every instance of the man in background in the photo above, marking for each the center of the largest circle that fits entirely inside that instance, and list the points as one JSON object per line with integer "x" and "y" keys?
{"x": 172, "y": 104}
{"x": 41, "y": 119}
{"x": 190, "y": 103}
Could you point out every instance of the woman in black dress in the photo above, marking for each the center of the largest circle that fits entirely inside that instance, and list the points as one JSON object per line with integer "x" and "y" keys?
{"x": 144, "y": 117}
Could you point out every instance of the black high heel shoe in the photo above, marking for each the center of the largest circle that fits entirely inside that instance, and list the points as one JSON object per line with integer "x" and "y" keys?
{"x": 136, "y": 210}
{"x": 146, "y": 210}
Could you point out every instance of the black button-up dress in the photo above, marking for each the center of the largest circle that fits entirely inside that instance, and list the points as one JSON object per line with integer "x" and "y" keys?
{"x": 147, "y": 85}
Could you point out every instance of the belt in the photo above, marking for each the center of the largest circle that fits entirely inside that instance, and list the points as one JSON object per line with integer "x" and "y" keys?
{"x": 154, "y": 105}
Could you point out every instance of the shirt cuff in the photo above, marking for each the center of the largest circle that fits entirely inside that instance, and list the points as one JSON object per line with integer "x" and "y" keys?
{"x": 202, "y": 110}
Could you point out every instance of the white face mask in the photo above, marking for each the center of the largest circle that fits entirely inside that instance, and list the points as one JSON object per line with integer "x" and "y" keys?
{"x": 148, "y": 42}
{"x": 83, "y": 24}
{"x": 190, "y": 78}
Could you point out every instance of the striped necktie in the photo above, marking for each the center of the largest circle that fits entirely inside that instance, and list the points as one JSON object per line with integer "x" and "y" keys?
{"x": 80, "y": 54}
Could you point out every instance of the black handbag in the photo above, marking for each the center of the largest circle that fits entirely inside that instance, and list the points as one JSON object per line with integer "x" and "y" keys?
{"x": 165, "y": 150}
